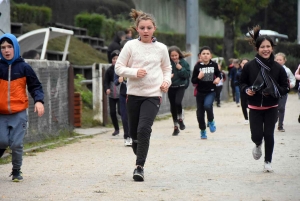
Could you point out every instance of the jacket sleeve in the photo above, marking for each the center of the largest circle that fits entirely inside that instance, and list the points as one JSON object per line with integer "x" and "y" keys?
{"x": 106, "y": 82}
{"x": 244, "y": 83}
{"x": 34, "y": 86}
{"x": 121, "y": 67}
{"x": 195, "y": 74}
{"x": 185, "y": 71}
{"x": 217, "y": 72}
{"x": 116, "y": 79}
{"x": 283, "y": 83}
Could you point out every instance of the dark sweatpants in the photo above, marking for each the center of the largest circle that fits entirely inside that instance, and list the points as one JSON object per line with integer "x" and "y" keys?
{"x": 244, "y": 104}
{"x": 175, "y": 95}
{"x": 141, "y": 114}
{"x": 262, "y": 125}
{"x": 113, "y": 103}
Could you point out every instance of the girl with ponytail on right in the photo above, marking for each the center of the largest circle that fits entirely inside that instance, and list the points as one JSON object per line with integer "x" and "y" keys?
{"x": 265, "y": 82}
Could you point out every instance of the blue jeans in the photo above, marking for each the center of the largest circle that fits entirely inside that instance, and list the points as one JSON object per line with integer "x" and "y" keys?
{"x": 205, "y": 104}
{"x": 237, "y": 94}
{"x": 281, "y": 109}
{"x": 12, "y": 132}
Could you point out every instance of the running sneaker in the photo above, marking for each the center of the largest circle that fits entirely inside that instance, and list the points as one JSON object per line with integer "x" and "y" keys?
{"x": 16, "y": 175}
{"x": 181, "y": 124}
{"x": 268, "y": 167}
{"x": 176, "y": 131}
{"x": 246, "y": 122}
{"x": 280, "y": 129}
{"x": 256, "y": 152}
{"x": 212, "y": 126}
{"x": 203, "y": 135}
{"x": 127, "y": 142}
{"x": 116, "y": 132}
{"x": 138, "y": 174}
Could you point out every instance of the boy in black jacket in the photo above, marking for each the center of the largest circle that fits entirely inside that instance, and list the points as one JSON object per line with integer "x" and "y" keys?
{"x": 206, "y": 75}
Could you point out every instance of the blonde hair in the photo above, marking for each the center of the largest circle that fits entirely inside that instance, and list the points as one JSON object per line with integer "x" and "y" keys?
{"x": 138, "y": 15}
{"x": 281, "y": 54}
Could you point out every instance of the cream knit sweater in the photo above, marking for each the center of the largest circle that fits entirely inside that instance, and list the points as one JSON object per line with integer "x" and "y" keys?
{"x": 154, "y": 58}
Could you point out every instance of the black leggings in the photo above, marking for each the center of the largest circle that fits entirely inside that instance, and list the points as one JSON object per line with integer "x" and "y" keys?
{"x": 113, "y": 103}
{"x": 141, "y": 114}
{"x": 262, "y": 125}
{"x": 175, "y": 97}
{"x": 244, "y": 104}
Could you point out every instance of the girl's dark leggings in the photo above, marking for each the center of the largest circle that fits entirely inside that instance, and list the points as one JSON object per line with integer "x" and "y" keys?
{"x": 141, "y": 114}
{"x": 262, "y": 125}
{"x": 175, "y": 95}
{"x": 113, "y": 103}
{"x": 244, "y": 104}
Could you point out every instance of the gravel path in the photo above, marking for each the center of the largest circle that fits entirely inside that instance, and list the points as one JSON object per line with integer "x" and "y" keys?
{"x": 177, "y": 168}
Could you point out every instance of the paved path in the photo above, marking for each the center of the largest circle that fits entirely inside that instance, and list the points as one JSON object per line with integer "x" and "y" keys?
{"x": 177, "y": 168}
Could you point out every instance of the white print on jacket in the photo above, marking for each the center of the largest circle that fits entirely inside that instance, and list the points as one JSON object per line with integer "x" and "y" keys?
{"x": 208, "y": 73}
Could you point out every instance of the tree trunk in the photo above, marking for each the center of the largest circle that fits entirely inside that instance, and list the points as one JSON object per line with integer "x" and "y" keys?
{"x": 228, "y": 41}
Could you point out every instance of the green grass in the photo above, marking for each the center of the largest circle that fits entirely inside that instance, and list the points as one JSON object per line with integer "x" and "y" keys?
{"x": 79, "y": 53}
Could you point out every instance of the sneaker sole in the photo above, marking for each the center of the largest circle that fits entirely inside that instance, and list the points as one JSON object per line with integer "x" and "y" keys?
{"x": 17, "y": 180}
{"x": 182, "y": 128}
{"x": 138, "y": 177}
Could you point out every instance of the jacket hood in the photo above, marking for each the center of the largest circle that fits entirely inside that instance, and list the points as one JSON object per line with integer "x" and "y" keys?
{"x": 16, "y": 48}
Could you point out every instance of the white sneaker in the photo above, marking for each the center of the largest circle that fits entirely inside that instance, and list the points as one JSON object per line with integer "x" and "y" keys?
{"x": 256, "y": 152}
{"x": 246, "y": 122}
{"x": 130, "y": 141}
{"x": 238, "y": 105}
{"x": 127, "y": 142}
{"x": 268, "y": 167}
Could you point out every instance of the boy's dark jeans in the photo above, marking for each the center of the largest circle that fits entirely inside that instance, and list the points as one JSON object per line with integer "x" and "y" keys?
{"x": 141, "y": 114}
{"x": 205, "y": 104}
{"x": 113, "y": 103}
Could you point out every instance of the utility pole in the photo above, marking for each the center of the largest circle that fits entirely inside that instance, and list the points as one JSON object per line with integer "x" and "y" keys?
{"x": 192, "y": 31}
{"x": 298, "y": 23}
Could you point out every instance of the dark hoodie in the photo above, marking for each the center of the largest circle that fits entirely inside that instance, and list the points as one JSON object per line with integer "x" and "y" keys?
{"x": 115, "y": 45}
{"x": 15, "y": 74}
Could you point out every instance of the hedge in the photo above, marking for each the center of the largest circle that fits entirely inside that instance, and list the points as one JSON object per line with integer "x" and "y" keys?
{"x": 41, "y": 15}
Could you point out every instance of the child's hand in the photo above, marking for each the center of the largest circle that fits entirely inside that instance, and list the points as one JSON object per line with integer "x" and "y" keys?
{"x": 216, "y": 81}
{"x": 200, "y": 75}
{"x": 141, "y": 73}
{"x": 164, "y": 87}
{"x": 39, "y": 108}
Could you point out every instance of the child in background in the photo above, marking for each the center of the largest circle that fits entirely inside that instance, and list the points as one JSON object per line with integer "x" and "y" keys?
{"x": 243, "y": 95}
{"x": 113, "y": 92}
{"x": 180, "y": 80}
{"x": 220, "y": 86}
{"x": 206, "y": 75}
{"x": 281, "y": 59}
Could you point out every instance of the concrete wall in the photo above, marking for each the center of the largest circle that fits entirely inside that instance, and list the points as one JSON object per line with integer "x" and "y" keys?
{"x": 5, "y": 16}
{"x": 54, "y": 78}
{"x": 171, "y": 16}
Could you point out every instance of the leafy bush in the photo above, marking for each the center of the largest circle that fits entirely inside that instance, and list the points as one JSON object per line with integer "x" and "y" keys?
{"x": 86, "y": 94}
{"x": 24, "y": 13}
{"x": 92, "y": 22}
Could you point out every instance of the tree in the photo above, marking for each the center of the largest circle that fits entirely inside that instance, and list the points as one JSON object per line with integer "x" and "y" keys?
{"x": 279, "y": 15}
{"x": 233, "y": 13}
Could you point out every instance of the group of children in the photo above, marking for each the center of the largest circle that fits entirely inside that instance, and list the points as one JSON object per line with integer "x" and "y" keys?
{"x": 143, "y": 70}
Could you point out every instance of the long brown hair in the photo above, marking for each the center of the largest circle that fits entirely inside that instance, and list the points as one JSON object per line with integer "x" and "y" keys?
{"x": 182, "y": 54}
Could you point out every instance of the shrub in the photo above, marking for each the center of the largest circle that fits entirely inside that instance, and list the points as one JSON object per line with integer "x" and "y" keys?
{"x": 92, "y": 22}
{"x": 86, "y": 94}
{"x": 25, "y": 13}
